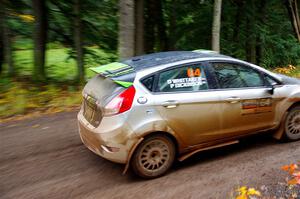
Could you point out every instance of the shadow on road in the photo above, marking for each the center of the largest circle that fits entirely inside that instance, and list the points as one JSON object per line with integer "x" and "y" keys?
{"x": 245, "y": 145}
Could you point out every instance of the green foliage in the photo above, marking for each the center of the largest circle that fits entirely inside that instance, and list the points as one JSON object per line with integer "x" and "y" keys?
{"x": 59, "y": 65}
{"x": 19, "y": 98}
{"x": 99, "y": 20}
{"x": 188, "y": 27}
{"x": 281, "y": 52}
{"x": 296, "y": 72}
{"x": 186, "y": 24}
{"x": 192, "y": 23}
{"x": 281, "y": 47}
{"x": 22, "y": 43}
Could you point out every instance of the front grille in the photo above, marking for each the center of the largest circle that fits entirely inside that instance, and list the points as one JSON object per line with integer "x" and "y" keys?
{"x": 91, "y": 112}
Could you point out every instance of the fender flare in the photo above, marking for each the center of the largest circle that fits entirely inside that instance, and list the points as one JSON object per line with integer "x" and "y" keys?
{"x": 293, "y": 99}
{"x": 280, "y": 131}
{"x": 130, "y": 155}
{"x": 133, "y": 148}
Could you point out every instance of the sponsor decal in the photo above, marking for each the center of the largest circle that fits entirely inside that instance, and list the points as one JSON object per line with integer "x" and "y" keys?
{"x": 193, "y": 79}
{"x": 186, "y": 82}
{"x": 253, "y": 106}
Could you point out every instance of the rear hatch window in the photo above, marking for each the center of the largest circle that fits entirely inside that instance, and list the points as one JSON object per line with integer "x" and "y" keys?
{"x": 110, "y": 81}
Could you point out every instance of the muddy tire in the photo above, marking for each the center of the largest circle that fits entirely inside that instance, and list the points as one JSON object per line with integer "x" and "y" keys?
{"x": 292, "y": 124}
{"x": 153, "y": 157}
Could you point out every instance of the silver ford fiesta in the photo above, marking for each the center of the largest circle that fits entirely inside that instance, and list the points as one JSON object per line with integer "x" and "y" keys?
{"x": 149, "y": 110}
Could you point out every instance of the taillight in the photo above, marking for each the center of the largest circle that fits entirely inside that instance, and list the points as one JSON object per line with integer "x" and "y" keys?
{"x": 120, "y": 103}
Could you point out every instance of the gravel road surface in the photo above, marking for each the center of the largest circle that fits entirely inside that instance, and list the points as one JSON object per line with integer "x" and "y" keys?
{"x": 44, "y": 158}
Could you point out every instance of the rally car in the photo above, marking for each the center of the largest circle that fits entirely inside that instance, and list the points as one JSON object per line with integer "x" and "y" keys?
{"x": 149, "y": 110}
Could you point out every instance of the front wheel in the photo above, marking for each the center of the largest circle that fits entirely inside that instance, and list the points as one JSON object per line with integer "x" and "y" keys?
{"x": 153, "y": 157}
{"x": 292, "y": 124}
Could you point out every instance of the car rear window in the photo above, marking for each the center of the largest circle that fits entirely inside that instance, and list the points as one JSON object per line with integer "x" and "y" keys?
{"x": 102, "y": 88}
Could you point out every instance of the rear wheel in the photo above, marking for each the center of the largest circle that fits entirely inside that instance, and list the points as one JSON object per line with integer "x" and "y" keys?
{"x": 292, "y": 124}
{"x": 153, "y": 157}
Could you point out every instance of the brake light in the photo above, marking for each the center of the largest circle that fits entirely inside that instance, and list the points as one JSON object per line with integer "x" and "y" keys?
{"x": 120, "y": 103}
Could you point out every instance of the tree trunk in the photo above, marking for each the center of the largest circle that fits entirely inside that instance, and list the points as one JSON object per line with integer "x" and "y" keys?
{"x": 156, "y": 35}
{"x": 1, "y": 55}
{"x": 297, "y": 14}
{"x": 161, "y": 27}
{"x": 8, "y": 55}
{"x": 292, "y": 8}
{"x": 250, "y": 42}
{"x": 172, "y": 28}
{"x": 78, "y": 41}
{"x": 259, "y": 37}
{"x": 150, "y": 27}
{"x": 40, "y": 37}
{"x": 216, "y": 26}
{"x": 250, "y": 32}
{"x": 126, "y": 28}
{"x": 1, "y": 36}
{"x": 238, "y": 20}
{"x": 139, "y": 30}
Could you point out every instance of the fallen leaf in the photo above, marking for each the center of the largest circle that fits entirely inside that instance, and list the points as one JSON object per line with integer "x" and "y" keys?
{"x": 242, "y": 196}
{"x": 252, "y": 191}
{"x": 285, "y": 168}
{"x": 290, "y": 168}
{"x": 297, "y": 174}
{"x": 242, "y": 190}
{"x": 293, "y": 167}
{"x": 293, "y": 181}
{"x": 35, "y": 126}
{"x": 294, "y": 195}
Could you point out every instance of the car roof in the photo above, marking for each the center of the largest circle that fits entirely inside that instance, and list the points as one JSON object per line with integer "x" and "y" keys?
{"x": 161, "y": 58}
{"x": 125, "y": 70}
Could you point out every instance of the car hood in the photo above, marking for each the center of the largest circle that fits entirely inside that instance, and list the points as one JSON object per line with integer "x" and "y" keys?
{"x": 288, "y": 80}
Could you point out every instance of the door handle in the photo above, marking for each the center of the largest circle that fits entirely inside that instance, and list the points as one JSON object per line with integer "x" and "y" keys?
{"x": 170, "y": 104}
{"x": 233, "y": 100}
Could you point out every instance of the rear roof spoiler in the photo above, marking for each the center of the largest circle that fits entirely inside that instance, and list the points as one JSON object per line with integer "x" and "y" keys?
{"x": 114, "y": 71}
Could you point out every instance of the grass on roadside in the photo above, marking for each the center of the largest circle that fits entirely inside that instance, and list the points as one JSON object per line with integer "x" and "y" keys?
{"x": 25, "y": 98}
{"x": 296, "y": 72}
{"x": 59, "y": 65}
{"x": 290, "y": 70}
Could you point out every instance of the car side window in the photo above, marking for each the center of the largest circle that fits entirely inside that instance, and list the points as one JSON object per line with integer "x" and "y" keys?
{"x": 270, "y": 81}
{"x": 236, "y": 76}
{"x": 185, "y": 78}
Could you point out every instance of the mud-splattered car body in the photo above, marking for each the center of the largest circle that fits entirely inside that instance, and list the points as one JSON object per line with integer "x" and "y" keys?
{"x": 198, "y": 100}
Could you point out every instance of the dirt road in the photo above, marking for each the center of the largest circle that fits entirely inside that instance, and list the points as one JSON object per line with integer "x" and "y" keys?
{"x": 44, "y": 158}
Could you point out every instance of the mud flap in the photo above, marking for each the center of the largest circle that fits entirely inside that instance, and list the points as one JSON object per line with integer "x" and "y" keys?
{"x": 279, "y": 132}
{"x": 130, "y": 155}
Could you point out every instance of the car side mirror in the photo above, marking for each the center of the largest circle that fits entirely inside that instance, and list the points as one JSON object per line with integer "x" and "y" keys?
{"x": 272, "y": 88}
